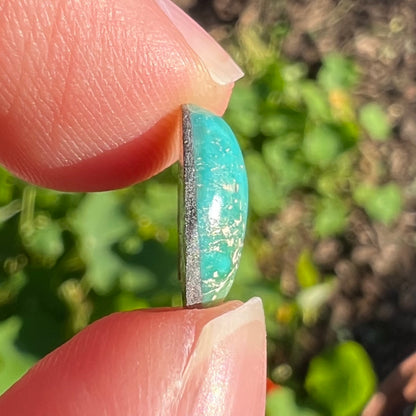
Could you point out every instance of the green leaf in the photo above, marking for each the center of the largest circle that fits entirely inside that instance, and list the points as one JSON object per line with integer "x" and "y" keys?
{"x": 311, "y": 300}
{"x": 292, "y": 72}
{"x": 289, "y": 166}
{"x": 322, "y": 145}
{"x": 383, "y": 203}
{"x": 283, "y": 121}
{"x": 316, "y": 101}
{"x": 248, "y": 271}
{"x": 271, "y": 81}
{"x": 13, "y": 362}
{"x": 243, "y": 113}
{"x": 341, "y": 379}
{"x": 363, "y": 193}
{"x": 160, "y": 204}
{"x": 155, "y": 211}
{"x": 7, "y": 182}
{"x": 307, "y": 273}
{"x": 137, "y": 279}
{"x": 282, "y": 402}
{"x": 10, "y": 210}
{"x": 331, "y": 217}
{"x": 332, "y": 182}
{"x": 263, "y": 197}
{"x": 129, "y": 302}
{"x": 100, "y": 223}
{"x": 46, "y": 242}
{"x": 375, "y": 121}
{"x": 337, "y": 72}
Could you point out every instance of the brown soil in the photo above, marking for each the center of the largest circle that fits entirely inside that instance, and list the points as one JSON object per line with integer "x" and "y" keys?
{"x": 375, "y": 265}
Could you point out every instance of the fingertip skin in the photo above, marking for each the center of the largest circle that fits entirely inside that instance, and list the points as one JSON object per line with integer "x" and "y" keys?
{"x": 90, "y": 92}
{"x": 129, "y": 163}
{"x": 153, "y": 362}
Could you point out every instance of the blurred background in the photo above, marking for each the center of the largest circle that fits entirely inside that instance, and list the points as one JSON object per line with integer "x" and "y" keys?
{"x": 326, "y": 120}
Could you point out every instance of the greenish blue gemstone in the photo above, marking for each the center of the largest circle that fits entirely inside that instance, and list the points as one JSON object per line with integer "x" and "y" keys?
{"x": 216, "y": 221}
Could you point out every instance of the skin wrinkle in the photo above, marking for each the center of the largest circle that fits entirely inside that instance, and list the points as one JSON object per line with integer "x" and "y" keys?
{"x": 53, "y": 24}
{"x": 60, "y": 111}
{"x": 104, "y": 102}
{"x": 53, "y": 74}
{"x": 137, "y": 73}
{"x": 101, "y": 99}
{"x": 149, "y": 88}
{"x": 23, "y": 58}
{"x": 60, "y": 31}
{"x": 108, "y": 144}
{"x": 10, "y": 54}
{"x": 84, "y": 120}
{"x": 65, "y": 30}
{"x": 27, "y": 61}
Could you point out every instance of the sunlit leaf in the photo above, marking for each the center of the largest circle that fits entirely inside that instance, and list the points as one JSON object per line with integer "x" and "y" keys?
{"x": 128, "y": 302}
{"x": 375, "y": 121}
{"x": 46, "y": 242}
{"x": 242, "y": 112}
{"x": 307, "y": 273}
{"x": 331, "y": 217}
{"x": 322, "y": 145}
{"x": 262, "y": 191}
{"x": 159, "y": 204}
{"x": 341, "y": 379}
{"x": 383, "y": 203}
{"x": 337, "y": 72}
{"x": 100, "y": 223}
{"x": 282, "y": 122}
{"x": 290, "y": 167}
{"x": 316, "y": 101}
{"x": 13, "y": 362}
{"x": 282, "y": 402}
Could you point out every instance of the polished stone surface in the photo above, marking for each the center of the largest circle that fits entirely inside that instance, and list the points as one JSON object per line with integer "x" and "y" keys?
{"x": 221, "y": 202}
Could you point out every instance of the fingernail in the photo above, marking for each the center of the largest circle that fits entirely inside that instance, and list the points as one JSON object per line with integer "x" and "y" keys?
{"x": 224, "y": 326}
{"x": 226, "y": 371}
{"x": 221, "y": 67}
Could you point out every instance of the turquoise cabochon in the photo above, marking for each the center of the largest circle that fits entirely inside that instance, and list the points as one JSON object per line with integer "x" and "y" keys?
{"x": 222, "y": 202}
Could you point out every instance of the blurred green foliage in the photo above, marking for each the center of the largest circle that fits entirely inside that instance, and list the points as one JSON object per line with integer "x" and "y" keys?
{"x": 339, "y": 382}
{"x": 283, "y": 402}
{"x": 341, "y": 379}
{"x": 302, "y": 138}
{"x": 374, "y": 120}
{"x": 68, "y": 259}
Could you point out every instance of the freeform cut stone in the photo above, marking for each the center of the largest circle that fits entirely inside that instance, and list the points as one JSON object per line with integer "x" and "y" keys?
{"x": 214, "y": 204}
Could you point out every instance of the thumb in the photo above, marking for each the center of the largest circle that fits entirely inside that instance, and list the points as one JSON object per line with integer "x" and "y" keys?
{"x": 90, "y": 91}
{"x": 153, "y": 362}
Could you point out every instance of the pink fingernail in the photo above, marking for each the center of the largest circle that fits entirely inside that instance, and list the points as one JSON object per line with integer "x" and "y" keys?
{"x": 221, "y": 67}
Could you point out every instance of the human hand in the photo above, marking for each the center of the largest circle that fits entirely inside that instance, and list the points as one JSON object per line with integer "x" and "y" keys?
{"x": 90, "y": 96}
{"x": 396, "y": 392}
